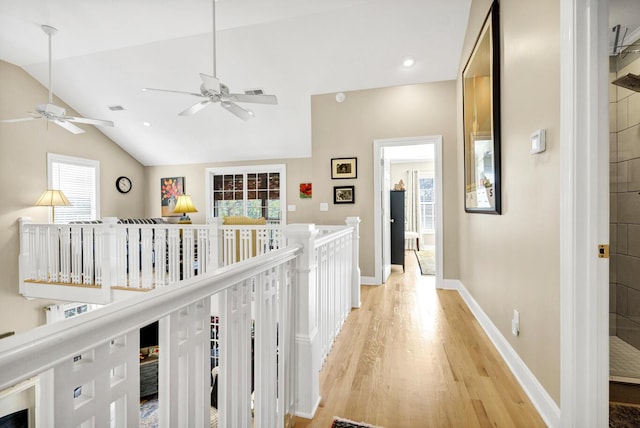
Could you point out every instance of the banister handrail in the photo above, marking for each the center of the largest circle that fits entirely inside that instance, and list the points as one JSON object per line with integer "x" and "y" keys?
{"x": 331, "y": 234}
{"x": 39, "y": 349}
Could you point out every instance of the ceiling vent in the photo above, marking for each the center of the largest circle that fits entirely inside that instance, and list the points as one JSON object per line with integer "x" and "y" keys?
{"x": 116, "y": 108}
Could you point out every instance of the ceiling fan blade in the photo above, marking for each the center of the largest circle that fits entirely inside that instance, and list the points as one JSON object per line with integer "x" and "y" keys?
{"x": 68, "y": 126}
{"x": 169, "y": 90}
{"x": 88, "y": 121}
{"x": 241, "y": 112}
{"x": 210, "y": 82}
{"x": 256, "y": 99}
{"x": 24, "y": 119}
{"x": 195, "y": 108}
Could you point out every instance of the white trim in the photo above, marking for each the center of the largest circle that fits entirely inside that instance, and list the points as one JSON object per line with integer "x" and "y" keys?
{"x": 368, "y": 280}
{"x": 72, "y": 160}
{"x": 378, "y": 145}
{"x": 584, "y": 213}
{"x": 247, "y": 169}
{"x": 546, "y": 406}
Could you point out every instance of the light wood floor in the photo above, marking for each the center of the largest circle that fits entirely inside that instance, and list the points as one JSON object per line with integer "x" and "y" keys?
{"x": 414, "y": 356}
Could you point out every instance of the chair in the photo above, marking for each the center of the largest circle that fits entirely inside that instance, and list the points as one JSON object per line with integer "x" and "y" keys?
{"x": 413, "y": 235}
{"x": 244, "y": 221}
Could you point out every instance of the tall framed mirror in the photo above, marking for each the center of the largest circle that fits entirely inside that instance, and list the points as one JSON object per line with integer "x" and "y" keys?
{"x": 481, "y": 120}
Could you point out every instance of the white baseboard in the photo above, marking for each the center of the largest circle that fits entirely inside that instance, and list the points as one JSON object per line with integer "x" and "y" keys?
{"x": 546, "y": 406}
{"x": 368, "y": 280}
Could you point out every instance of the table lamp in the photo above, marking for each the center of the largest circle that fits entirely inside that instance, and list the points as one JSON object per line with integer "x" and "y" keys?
{"x": 184, "y": 206}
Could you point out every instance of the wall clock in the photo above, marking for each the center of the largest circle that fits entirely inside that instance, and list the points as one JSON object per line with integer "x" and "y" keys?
{"x": 123, "y": 184}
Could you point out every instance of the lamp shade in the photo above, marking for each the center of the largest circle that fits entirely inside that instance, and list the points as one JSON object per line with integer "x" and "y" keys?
{"x": 53, "y": 198}
{"x": 184, "y": 205}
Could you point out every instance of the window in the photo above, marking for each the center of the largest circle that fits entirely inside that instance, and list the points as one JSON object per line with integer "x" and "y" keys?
{"x": 250, "y": 191}
{"x": 427, "y": 201}
{"x": 79, "y": 179}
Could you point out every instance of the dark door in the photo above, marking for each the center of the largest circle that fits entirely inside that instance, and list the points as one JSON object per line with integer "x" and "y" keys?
{"x": 397, "y": 227}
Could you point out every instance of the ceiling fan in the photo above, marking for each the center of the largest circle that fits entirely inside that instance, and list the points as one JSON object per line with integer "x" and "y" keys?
{"x": 54, "y": 113}
{"x": 212, "y": 91}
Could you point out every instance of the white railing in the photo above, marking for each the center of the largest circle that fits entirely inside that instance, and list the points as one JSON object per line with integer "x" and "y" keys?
{"x": 88, "y": 367}
{"x": 241, "y": 242}
{"x": 284, "y": 307}
{"x": 99, "y": 258}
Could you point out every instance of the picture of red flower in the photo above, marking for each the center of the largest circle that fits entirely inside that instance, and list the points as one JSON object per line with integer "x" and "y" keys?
{"x": 170, "y": 189}
{"x": 305, "y": 191}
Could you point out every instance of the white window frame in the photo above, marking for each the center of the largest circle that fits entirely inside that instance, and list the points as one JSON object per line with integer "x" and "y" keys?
{"x": 431, "y": 175}
{"x": 248, "y": 169}
{"x": 71, "y": 160}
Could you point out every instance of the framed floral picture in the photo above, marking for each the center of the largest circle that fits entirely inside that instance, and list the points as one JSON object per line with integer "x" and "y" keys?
{"x": 170, "y": 189}
{"x": 344, "y": 168}
{"x": 344, "y": 195}
{"x": 305, "y": 191}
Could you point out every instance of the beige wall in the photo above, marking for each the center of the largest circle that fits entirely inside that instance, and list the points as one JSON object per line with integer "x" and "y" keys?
{"x": 298, "y": 171}
{"x": 399, "y": 169}
{"x": 23, "y": 174}
{"x": 347, "y": 130}
{"x": 511, "y": 261}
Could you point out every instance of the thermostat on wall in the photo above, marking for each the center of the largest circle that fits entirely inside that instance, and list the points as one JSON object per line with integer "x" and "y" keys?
{"x": 538, "y": 144}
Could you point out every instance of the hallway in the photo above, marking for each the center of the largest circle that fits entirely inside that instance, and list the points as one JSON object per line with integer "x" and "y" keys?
{"x": 413, "y": 356}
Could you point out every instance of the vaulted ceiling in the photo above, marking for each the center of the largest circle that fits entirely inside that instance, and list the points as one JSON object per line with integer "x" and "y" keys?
{"x": 105, "y": 52}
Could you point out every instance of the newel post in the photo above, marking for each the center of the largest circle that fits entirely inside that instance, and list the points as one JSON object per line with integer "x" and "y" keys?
{"x": 109, "y": 267}
{"x": 215, "y": 242}
{"x": 307, "y": 347}
{"x": 355, "y": 261}
{"x": 24, "y": 260}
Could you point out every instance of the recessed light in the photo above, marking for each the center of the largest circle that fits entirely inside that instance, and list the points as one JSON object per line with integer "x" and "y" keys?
{"x": 147, "y": 124}
{"x": 408, "y": 62}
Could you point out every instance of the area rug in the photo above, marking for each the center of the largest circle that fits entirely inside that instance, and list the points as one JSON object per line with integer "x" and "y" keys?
{"x": 346, "y": 423}
{"x": 149, "y": 413}
{"x": 427, "y": 261}
{"x": 623, "y": 416}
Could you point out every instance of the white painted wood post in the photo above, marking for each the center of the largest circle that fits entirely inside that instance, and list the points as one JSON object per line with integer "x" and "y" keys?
{"x": 24, "y": 260}
{"x": 215, "y": 242}
{"x": 108, "y": 265}
{"x": 355, "y": 261}
{"x": 307, "y": 347}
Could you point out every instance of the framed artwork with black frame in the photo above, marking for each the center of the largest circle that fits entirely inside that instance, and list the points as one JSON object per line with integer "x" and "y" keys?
{"x": 344, "y": 195}
{"x": 344, "y": 168}
{"x": 481, "y": 120}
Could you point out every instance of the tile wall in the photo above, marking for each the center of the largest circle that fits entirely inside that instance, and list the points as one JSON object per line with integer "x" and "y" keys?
{"x": 624, "y": 282}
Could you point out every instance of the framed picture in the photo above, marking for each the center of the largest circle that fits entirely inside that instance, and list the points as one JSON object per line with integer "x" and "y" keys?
{"x": 306, "y": 191}
{"x": 344, "y": 195}
{"x": 344, "y": 168}
{"x": 170, "y": 189}
{"x": 481, "y": 120}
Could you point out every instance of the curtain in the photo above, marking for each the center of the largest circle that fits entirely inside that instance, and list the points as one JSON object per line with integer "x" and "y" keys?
{"x": 412, "y": 207}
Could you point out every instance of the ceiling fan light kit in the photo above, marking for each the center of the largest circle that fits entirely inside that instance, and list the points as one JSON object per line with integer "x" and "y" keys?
{"x": 213, "y": 91}
{"x": 54, "y": 113}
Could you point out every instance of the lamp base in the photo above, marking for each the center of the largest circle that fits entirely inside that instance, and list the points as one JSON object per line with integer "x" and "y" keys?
{"x": 184, "y": 219}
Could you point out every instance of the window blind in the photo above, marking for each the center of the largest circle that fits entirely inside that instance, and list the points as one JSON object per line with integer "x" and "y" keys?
{"x": 78, "y": 179}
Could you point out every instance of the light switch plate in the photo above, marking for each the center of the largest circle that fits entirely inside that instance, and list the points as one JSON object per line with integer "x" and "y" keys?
{"x": 538, "y": 143}
{"x": 324, "y": 206}
{"x": 291, "y": 208}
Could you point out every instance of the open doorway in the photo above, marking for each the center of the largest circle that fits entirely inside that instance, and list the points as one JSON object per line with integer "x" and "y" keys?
{"x": 392, "y": 159}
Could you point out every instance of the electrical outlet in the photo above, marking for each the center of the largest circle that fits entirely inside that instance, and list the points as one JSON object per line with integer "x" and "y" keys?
{"x": 515, "y": 323}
